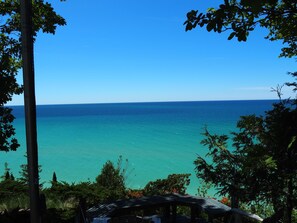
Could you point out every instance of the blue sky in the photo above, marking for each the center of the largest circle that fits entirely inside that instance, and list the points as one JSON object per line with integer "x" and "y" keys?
{"x": 138, "y": 50}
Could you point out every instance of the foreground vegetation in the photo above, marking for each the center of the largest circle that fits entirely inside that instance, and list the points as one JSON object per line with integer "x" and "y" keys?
{"x": 260, "y": 168}
{"x": 61, "y": 202}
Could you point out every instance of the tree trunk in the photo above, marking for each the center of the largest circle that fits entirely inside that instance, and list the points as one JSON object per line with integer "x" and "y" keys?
{"x": 289, "y": 202}
{"x": 30, "y": 108}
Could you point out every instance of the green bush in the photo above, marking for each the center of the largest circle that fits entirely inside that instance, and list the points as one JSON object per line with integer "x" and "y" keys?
{"x": 174, "y": 183}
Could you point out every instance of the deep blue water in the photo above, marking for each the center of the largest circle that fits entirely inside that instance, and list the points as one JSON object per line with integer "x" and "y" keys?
{"x": 157, "y": 138}
{"x": 198, "y": 108}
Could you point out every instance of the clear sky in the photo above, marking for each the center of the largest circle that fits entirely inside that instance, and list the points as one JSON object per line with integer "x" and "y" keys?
{"x": 138, "y": 50}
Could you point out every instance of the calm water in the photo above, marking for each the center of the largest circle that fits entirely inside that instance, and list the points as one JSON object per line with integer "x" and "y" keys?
{"x": 157, "y": 138}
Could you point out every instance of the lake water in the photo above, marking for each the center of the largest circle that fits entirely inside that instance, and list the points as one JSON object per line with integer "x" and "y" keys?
{"x": 158, "y": 139}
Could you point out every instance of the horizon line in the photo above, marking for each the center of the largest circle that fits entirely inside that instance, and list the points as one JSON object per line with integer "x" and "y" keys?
{"x": 136, "y": 102}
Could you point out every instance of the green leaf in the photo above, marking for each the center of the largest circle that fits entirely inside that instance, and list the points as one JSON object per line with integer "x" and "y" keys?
{"x": 231, "y": 35}
{"x": 292, "y": 142}
{"x": 210, "y": 26}
{"x": 270, "y": 163}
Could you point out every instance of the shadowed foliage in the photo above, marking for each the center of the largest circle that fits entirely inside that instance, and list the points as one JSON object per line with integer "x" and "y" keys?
{"x": 242, "y": 17}
{"x": 45, "y": 20}
{"x": 174, "y": 183}
{"x": 261, "y": 166}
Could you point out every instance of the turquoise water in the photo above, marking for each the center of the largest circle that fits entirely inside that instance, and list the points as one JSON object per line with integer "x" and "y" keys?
{"x": 157, "y": 138}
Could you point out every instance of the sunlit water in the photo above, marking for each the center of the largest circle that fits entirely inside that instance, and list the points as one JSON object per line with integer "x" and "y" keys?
{"x": 158, "y": 139}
